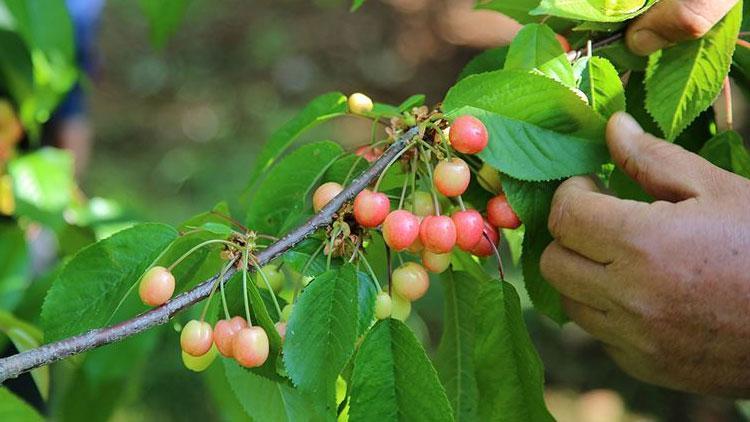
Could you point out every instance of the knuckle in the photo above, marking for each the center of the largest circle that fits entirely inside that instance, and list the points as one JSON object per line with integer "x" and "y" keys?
{"x": 547, "y": 261}
{"x": 692, "y": 23}
{"x": 558, "y": 214}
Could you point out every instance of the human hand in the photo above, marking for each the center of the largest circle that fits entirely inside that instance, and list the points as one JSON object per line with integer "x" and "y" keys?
{"x": 671, "y": 21}
{"x": 665, "y": 286}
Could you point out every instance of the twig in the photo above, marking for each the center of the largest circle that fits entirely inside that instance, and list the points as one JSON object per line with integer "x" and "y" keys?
{"x": 15, "y": 365}
{"x": 576, "y": 54}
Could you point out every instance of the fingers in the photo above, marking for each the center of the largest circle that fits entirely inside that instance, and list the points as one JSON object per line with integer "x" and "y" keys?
{"x": 575, "y": 276}
{"x": 593, "y": 321}
{"x": 664, "y": 170}
{"x": 587, "y": 221}
{"x": 671, "y": 21}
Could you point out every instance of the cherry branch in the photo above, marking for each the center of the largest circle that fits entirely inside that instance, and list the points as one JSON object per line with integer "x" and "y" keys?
{"x": 15, "y": 365}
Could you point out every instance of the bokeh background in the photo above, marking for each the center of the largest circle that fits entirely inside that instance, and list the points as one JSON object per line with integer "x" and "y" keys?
{"x": 176, "y": 130}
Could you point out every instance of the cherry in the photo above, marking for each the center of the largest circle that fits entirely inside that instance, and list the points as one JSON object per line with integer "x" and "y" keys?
{"x": 469, "y": 225}
{"x": 410, "y": 281}
{"x": 436, "y": 262}
{"x": 369, "y": 152}
{"x": 416, "y": 246}
{"x": 438, "y": 233}
{"x": 484, "y": 248}
{"x": 400, "y": 229}
{"x": 224, "y": 332}
{"x": 500, "y": 214}
{"x": 452, "y": 177}
{"x": 286, "y": 312}
{"x": 371, "y": 208}
{"x": 468, "y": 135}
{"x": 489, "y": 179}
{"x": 563, "y": 42}
{"x": 324, "y": 193}
{"x": 383, "y": 305}
{"x": 359, "y": 103}
{"x": 156, "y": 286}
{"x": 281, "y": 329}
{"x": 400, "y": 308}
{"x": 196, "y": 338}
{"x": 275, "y": 278}
{"x": 251, "y": 347}
{"x": 199, "y": 363}
{"x": 422, "y": 204}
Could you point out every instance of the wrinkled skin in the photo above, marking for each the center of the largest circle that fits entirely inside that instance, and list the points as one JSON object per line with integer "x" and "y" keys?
{"x": 665, "y": 286}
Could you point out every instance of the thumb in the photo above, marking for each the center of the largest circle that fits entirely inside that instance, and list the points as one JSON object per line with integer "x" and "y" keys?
{"x": 664, "y": 170}
{"x": 670, "y": 21}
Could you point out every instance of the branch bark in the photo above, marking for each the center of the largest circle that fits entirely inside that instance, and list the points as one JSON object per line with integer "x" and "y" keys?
{"x": 15, "y": 365}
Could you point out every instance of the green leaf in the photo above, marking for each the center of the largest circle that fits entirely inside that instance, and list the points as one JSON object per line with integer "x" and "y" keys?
{"x": 319, "y": 110}
{"x": 164, "y": 16}
{"x": 322, "y": 331}
{"x": 516, "y": 9}
{"x": 528, "y": 152}
{"x": 366, "y": 293}
{"x": 727, "y": 151}
{"x": 265, "y": 400}
{"x": 300, "y": 258}
{"x": 684, "y": 80}
{"x": 42, "y": 184}
{"x": 15, "y": 270}
{"x": 25, "y": 336}
{"x": 619, "y": 54}
{"x": 535, "y": 48}
{"x": 593, "y": 10}
{"x": 530, "y": 98}
{"x": 415, "y": 100}
{"x": 486, "y": 61}
{"x": 284, "y": 190}
{"x": 217, "y": 228}
{"x": 509, "y": 373}
{"x": 393, "y": 380}
{"x": 531, "y": 201}
{"x": 349, "y": 165}
{"x": 14, "y": 409}
{"x": 455, "y": 357}
{"x": 602, "y": 85}
{"x": 356, "y": 4}
{"x": 92, "y": 284}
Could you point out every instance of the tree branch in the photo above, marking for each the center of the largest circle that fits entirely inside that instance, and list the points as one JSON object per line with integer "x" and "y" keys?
{"x": 15, "y": 365}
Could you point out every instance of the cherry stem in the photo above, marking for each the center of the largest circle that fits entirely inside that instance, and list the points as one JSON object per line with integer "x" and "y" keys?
{"x": 389, "y": 267}
{"x": 221, "y": 286}
{"x": 403, "y": 193}
{"x": 461, "y": 203}
{"x": 262, "y": 273}
{"x": 432, "y": 185}
{"x": 413, "y": 182}
{"x": 743, "y": 43}
{"x": 728, "y": 103}
{"x": 198, "y": 246}
{"x": 369, "y": 270}
{"x": 304, "y": 270}
{"x": 213, "y": 290}
{"x": 335, "y": 233}
{"x": 390, "y": 163}
{"x": 497, "y": 255}
{"x": 245, "y": 253}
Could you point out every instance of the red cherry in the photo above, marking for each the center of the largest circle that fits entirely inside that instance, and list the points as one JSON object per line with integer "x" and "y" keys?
{"x": 371, "y": 208}
{"x": 281, "y": 329}
{"x": 469, "y": 226}
{"x": 400, "y": 229}
{"x": 500, "y": 214}
{"x": 251, "y": 347}
{"x": 484, "y": 248}
{"x": 156, "y": 286}
{"x": 436, "y": 262}
{"x": 196, "y": 338}
{"x": 468, "y": 135}
{"x": 438, "y": 233}
{"x": 324, "y": 193}
{"x": 224, "y": 332}
{"x": 410, "y": 281}
{"x": 452, "y": 177}
{"x": 369, "y": 153}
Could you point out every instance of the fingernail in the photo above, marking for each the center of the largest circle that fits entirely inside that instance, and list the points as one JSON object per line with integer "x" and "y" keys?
{"x": 625, "y": 125}
{"x": 646, "y": 41}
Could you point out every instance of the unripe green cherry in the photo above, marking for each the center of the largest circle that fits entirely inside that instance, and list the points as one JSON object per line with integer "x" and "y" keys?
{"x": 286, "y": 312}
{"x": 224, "y": 333}
{"x": 281, "y": 329}
{"x": 383, "y": 305}
{"x": 436, "y": 262}
{"x": 400, "y": 308}
{"x": 324, "y": 193}
{"x": 489, "y": 179}
{"x": 251, "y": 347}
{"x": 410, "y": 281}
{"x": 196, "y": 338}
{"x": 359, "y": 103}
{"x": 199, "y": 363}
{"x": 156, "y": 287}
{"x": 452, "y": 177}
{"x": 421, "y": 202}
{"x": 275, "y": 278}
